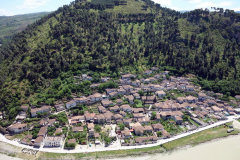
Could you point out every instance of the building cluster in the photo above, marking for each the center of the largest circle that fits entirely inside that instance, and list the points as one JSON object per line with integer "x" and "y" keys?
{"x": 140, "y": 125}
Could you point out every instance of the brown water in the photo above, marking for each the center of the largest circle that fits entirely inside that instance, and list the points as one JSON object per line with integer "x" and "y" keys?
{"x": 224, "y": 149}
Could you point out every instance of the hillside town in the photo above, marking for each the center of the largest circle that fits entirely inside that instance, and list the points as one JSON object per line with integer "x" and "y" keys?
{"x": 137, "y": 112}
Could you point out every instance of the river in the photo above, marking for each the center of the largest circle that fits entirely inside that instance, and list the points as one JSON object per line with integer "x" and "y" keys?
{"x": 223, "y": 149}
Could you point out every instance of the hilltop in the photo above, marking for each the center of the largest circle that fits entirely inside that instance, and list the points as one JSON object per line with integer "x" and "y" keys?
{"x": 107, "y": 39}
{"x": 10, "y": 25}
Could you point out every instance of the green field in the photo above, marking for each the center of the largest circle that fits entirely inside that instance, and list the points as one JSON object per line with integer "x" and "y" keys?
{"x": 200, "y": 137}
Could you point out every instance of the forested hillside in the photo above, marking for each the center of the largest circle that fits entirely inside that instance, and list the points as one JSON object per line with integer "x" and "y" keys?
{"x": 102, "y": 39}
{"x": 9, "y": 25}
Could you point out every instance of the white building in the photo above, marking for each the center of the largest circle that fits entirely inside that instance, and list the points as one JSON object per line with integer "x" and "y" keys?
{"x": 53, "y": 142}
{"x": 43, "y": 109}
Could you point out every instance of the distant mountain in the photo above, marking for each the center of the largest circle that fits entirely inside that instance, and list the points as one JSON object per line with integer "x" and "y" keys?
{"x": 237, "y": 11}
{"x": 9, "y": 25}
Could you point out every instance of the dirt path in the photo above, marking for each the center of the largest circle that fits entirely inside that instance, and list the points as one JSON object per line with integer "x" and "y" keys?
{"x": 6, "y": 157}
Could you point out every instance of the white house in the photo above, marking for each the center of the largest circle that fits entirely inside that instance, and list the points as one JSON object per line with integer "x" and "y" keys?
{"x": 53, "y": 141}
{"x": 43, "y": 109}
{"x": 17, "y": 128}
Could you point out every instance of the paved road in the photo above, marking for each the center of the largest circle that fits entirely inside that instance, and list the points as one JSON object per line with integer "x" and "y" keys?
{"x": 54, "y": 150}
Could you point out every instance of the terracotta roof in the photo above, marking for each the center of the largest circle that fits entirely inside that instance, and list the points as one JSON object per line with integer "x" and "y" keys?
{"x": 41, "y": 122}
{"x": 119, "y": 101}
{"x": 148, "y": 128}
{"x": 114, "y": 108}
{"x": 58, "y": 130}
{"x": 153, "y": 138}
{"x": 157, "y": 126}
{"x": 90, "y": 126}
{"x": 18, "y": 125}
{"x": 108, "y": 114}
{"x": 51, "y": 121}
{"x": 96, "y": 135}
{"x": 91, "y": 115}
{"x": 71, "y": 141}
{"x": 42, "y": 131}
{"x": 39, "y": 139}
{"x": 141, "y": 139}
{"x": 100, "y": 116}
{"x": 165, "y": 133}
{"x": 77, "y": 129}
{"x": 137, "y": 110}
{"x": 202, "y": 94}
{"x": 125, "y": 106}
{"x": 126, "y": 133}
{"x": 106, "y": 102}
{"x": 118, "y": 116}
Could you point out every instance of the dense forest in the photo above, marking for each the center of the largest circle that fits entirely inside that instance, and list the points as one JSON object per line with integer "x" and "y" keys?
{"x": 38, "y": 64}
{"x": 10, "y": 25}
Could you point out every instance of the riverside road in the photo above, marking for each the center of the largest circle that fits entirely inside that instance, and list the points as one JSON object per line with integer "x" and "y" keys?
{"x": 159, "y": 142}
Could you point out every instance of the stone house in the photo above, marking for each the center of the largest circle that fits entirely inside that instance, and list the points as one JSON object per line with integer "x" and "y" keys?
{"x": 42, "y": 109}
{"x": 127, "y": 88}
{"x": 127, "y": 121}
{"x": 59, "y": 107}
{"x": 113, "y": 94}
{"x": 107, "y": 103}
{"x": 38, "y": 141}
{"x": 157, "y": 127}
{"x": 126, "y": 108}
{"x": 43, "y": 131}
{"x": 100, "y": 119}
{"x": 114, "y": 109}
{"x": 117, "y": 117}
{"x": 189, "y": 88}
{"x": 90, "y": 129}
{"x": 148, "y": 72}
{"x": 108, "y": 116}
{"x": 17, "y": 127}
{"x": 181, "y": 100}
{"x": 160, "y": 94}
{"x": 70, "y": 104}
{"x": 125, "y": 134}
{"x": 102, "y": 109}
{"x": 144, "y": 120}
{"x": 111, "y": 90}
{"x": 89, "y": 117}
{"x": 136, "y": 96}
{"x": 202, "y": 96}
{"x": 119, "y": 101}
{"x": 130, "y": 99}
{"x": 97, "y": 96}
{"x": 148, "y": 129}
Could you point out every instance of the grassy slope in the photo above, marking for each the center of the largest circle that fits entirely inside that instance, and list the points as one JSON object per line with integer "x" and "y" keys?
{"x": 200, "y": 137}
{"x": 13, "y": 24}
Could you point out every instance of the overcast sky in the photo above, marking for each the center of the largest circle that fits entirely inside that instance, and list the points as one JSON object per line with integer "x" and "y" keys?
{"x": 14, "y": 7}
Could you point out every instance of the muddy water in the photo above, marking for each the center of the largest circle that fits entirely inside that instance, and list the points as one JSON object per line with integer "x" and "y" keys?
{"x": 224, "y": 149}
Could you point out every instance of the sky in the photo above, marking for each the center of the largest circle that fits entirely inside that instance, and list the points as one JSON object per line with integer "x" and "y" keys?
{"x": 15, "y": 7}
